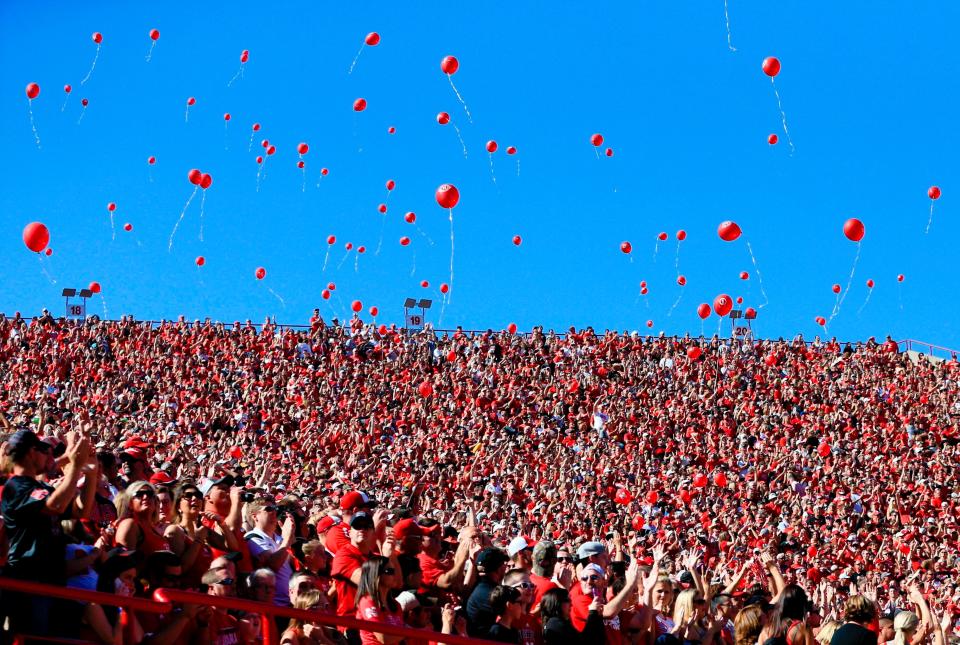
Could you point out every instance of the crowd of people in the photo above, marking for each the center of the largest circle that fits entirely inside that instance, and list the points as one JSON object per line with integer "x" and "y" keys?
{"x": 541, "y": 488}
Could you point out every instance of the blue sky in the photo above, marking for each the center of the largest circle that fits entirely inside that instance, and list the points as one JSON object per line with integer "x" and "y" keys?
{"x": 868, "y": 90}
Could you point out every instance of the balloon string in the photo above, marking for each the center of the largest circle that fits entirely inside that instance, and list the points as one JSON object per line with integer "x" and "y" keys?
{"x": 462, "y": 144}
{"x": 182, "y": 213}
{"x": 869, "y": 293}
{"x": 930, "y": 220}
{"x": 186, "y": 114}
{"x": 239, "y": 74}
{"x": 44, "y": 269}
{"x": 356, "y": 58}
{"x": 756, "y": 269}
{"x": 65, "y": 101}
{"x": 344, "y": 259}
{"x": 783, "y": 116}
{"x": 726, "y": 15}
{"x": 443, "y": 309}
{"x": 843, "y": 295}
{"x": 836, "y": 305}
{"x": 150, "y": 174}
{"x": 203, "y": 199}
{"x": 250, "y": 144}
{"x": 260, "y": 173}
{"x": 518, "y": 166}
{"x": 460, "y": 98}
{"x": 113, "y": 228}
{"x": 356, "y": 263}
{"x": 413, "y": 267}
{"x": 900, "y": 295}
{"x": 326, "y": 258}
{"x": 106, "y": 312}
{"x": 383, "y": 221}
{"x": 675, "y": 303}
{"x": 596, "y": 151}
{"x": 450, "y": 294}
{"x": 676, "y": 259}
{"x": 425, "y": 236}
{"x": 93, "y": 66}
{"x": 83, "y": 111}
{"x": 276, "y": 295}
{"x": 150, "y": 53}
{"x": 492, "y": 175}
{"x": 303, "y": 186}
{"x": 656, "y": 250}
{"x": 226, "y": 141}
{"x": 33, "y": 126}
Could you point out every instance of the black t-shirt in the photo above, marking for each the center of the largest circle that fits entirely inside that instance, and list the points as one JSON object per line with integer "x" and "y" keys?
{"x": 853, "y": 634}
{"x": 37, "y": 546}
{"x": 503, "y": 634}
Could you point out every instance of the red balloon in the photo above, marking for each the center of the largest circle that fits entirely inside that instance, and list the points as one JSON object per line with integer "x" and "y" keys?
{"x": 722, "y": 304}
{"x": 425, "y": 389}
{"x": 360, "y": 105}
{"x": 348, "y": 246}
{"x": 649, "y": 323}
{"x": 325, "y": 294}
{"x": 512, "y": 328}
{"x": 772, "y": 139}
{"x": 332, "y": 286}
{"x": 425, "y": 284}
{"x": 244, "y": 55}
{"x": 200, "y": 261}
{"x": 356, "y": 305}
{"x": 97, "y": 37}
{"x": 662, "y": 236}
{"x": 111, "y": 207}
{"x": 682, "y": 280}
{"x": 331, "y": 239}
{"x": 699, "y": 480}
{"x": 870, "y": 283}
{"x": 517, "y": 240}
{"x": 94, "y": 287}
{"x": 261, "y": 273}
{"x": 206, "y": 181}
{"x": 626, "y": 247}
{"x": 265, "y": 143}
{"x": 770, "y": 360}
{"x": 372, "y": 39}
{"x": 84, "y": 102}
{"x": 771, "y": 66}
{"x": 821, "y": 321}
{"x": 608, "y": 152}
{"x": 128, "y": 227}
{"x": 452, "y": 356}
{"x": 382, "y": 208}
{"x": 643, "y": 291}
{"x": 151, "y": 160}
{"x": 693, "y": 353}
{"x": 374, "y": 311}
{"x": 739, "y": 300}
{"x": 303, "y": 148}
{"x": 33, "y": 91}
{"x": 835, "y": 288}
{"x": 444, "y": 288}
{"x": 404, "y": 241}
{"x": 410, "y": 217}
{"x": 653, "y": 497}
{"x": 853, "y": 229}
{"x": 324, "y": 171}
{"x": 933, "y": 192}
{"x": 300, "y": 164}
{"x": 191, "y": 101}
{"x": 391, "y": 184}
{"x": 643, "y": 284}
{"x": 48, "y": 252}
{"x": 67, "y": 88}
{"x": 449, "y": 65}
{"x": 259, "y": 158}
{"x": 272, "y": 149}
{"x": 681, "y": 235}
{"x": 685, "y": 496}
{"x": 511, "y": 150}
{"x": 720, "y": 479}
{"x": 596, "y": 139}
{"x": 443, "y": 118}
{"x": 622, "y": 497}
{"x": 728, "y": 231}
{"x": 744, "y": 275}
{"x": 750, "y": 312}
{"x": 491, "y": 146}
{"x": 703, "y": 310}
{"x": 195, "y": 176}
{"x": 447, "y": 195}
{"x": 36, "y": 236}
{"x": 824, "y": 449}
{"x": 256, "y": 127}
{"x": 391, "y": 130}
{"x": 154, "y": 34}
{"x": 361, "y": 249}
{"x": 900, "y": 278}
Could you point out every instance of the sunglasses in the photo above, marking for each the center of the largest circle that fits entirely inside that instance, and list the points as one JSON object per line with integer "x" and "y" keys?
{"x": 269, "y": 509}
{"x": 523, "y": 585}
{"x": 191, "y": 494}
{"x": 226, "y": 582}
{"x": 566, "y": 559}
{"x": 145, "y": 493}
{"x": 592, "y": 578}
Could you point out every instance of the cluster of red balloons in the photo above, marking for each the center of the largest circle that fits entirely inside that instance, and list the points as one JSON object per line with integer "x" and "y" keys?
{"x": 201, "y": 179}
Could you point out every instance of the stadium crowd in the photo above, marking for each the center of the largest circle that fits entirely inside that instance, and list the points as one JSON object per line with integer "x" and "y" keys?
{"x": 541, "y": 488}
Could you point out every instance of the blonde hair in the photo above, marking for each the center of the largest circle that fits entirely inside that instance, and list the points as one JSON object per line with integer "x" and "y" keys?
{"x": 122, "y": 501}
{"x": 304, "y": 600}
{"x": 683, "y": 607}
{"x": 859, "y": 609}
{"x": 904, "y": 623}
{"x": 747, "y": 625}
{"x": 826, "y": 631}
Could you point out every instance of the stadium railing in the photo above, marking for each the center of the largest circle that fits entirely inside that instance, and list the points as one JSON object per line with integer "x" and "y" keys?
{"x": 165, "y": 599}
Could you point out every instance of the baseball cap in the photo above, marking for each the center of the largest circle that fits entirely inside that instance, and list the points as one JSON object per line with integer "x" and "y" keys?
{"x": 361, "y": 521}
{"x": 206, "y": 484}
{"x": 326, "y": 523}
{"x": 407, "y": 600}
{"x": 135, "y": 442}
{"x": 133, "y": 454}
{"x": 161, "y": 478}
{"x": 21, "y": 442}
{"x": 491, "y": 559}
{"x": 588, "y": 549}
{"x": 356, "y": 498}
{"x": 518, "y": 544}
{"x": 407, "y": 528}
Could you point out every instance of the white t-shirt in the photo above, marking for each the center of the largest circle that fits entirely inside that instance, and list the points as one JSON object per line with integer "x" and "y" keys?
{"x": 259, "y": 542}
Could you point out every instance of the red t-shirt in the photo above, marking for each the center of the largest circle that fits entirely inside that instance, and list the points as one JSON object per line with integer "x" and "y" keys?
{"x": 337, "y": 536}
{"x": 366, "y": 610}
{"x": 347, "y": 560}
{"x": 580, "y": 611}
{"x": 543, "y": 585}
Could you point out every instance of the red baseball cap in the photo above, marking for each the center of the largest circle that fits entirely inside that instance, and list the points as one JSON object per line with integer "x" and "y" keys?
{"x": 407, "y": 528}
{"x": 355, "y": 498}
{"x": 161, "y": 478}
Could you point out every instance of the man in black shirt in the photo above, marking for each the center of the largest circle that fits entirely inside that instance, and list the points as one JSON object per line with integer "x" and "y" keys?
{"x": 491, "y": 565}
{"x": 32, "y": 511}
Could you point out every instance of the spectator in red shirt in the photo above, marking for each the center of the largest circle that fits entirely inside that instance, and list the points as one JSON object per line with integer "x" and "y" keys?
{"x": 347, "y": 563}
{"x": 351, "y": 503}
{"x": 544, "y": 561}
{"x": 379, "y": 578}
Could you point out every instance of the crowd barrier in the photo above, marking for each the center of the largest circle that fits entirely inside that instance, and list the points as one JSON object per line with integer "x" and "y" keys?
{"x": 164, "y": 600}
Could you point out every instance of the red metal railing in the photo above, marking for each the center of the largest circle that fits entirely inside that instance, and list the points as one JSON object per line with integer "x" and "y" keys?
{"x": 164, "y": 599}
